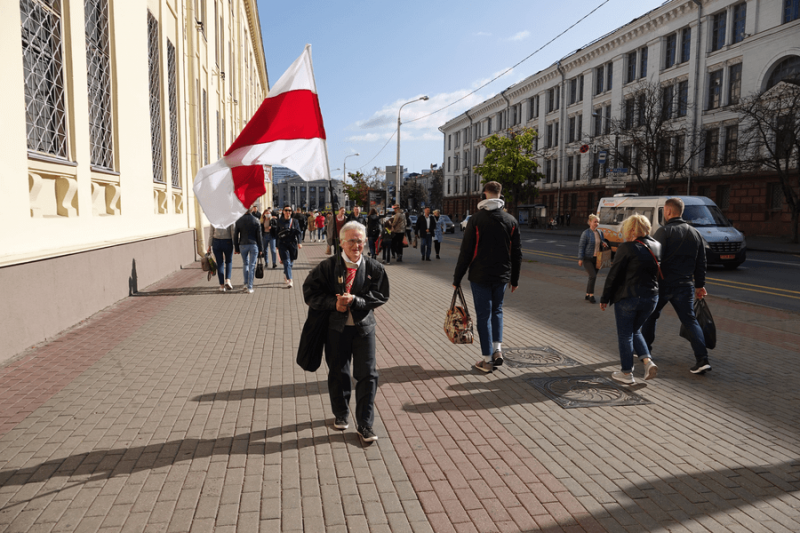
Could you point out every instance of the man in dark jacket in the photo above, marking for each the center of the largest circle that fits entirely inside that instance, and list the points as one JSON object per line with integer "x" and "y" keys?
{"x": 247, "y": 241}
{"x": 350, "y": 286}
{"x": 684, "y": 269}
{"x": 426, "y": 225}
{"x": 491, "y": 250}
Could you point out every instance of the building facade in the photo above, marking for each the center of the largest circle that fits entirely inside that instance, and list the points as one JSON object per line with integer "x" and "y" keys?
{"x": 306, "y": 195}
{"x": 109, "y": 109}
{"x": 703, "y": 56}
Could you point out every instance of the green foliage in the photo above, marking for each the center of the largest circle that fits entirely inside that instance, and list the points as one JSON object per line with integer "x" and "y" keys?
{"x": 510, "y": 161}
{"x": 358, "y": 190}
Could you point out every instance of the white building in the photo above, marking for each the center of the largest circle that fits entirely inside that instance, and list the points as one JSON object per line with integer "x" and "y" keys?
{"x": 710, "y": 52}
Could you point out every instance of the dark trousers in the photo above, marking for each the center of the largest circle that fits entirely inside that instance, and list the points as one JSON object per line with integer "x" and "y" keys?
{"x": 437, "y": 245}
{"x": 339, "y": 347}
{"x": 590, "y": 265}
{"x": 386, "y": 250}
{"x": 425, "y": 245}
{"x": 682, "y": 300}
{"x": 397, "y": 244}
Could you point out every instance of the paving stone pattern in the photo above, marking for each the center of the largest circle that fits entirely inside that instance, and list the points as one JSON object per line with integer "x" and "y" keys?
{"x": 181, "y": 409}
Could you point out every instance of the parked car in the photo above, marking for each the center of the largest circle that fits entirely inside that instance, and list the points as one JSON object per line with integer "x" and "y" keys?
{"x": 464, "y": 223}
{"x": 449, "y": 227}
{"x": 412, "y": 218}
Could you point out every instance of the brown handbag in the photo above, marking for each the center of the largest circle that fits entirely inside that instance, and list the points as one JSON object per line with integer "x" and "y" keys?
{"x": 457, "y": 323}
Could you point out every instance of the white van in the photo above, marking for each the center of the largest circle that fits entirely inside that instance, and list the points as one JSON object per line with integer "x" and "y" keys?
{"x": 725, "y": 245}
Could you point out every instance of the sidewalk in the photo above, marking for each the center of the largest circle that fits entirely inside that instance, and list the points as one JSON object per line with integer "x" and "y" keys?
{"x": 181, "y": 409}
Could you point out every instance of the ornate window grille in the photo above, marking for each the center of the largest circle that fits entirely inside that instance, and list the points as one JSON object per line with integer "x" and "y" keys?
{"x": 43, "y": 67}
{"x": 172, "y": 83}
{"x": 98, "y": 63}
{"x": 155, "y": 97}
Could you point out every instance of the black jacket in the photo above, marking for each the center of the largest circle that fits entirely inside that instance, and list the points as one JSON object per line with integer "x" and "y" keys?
{"x": 684, "y": 254}
{"x": 634, "y": 271}
{"x": 247, "y": 231}
{"x": 301, "y": 220}
{"x": 291, "y": 240}
{"x": 490, "y": 249}
{"x": 370, "y": 290}
{"x": 422, "y": 227}
{"x": 373, "y": 227}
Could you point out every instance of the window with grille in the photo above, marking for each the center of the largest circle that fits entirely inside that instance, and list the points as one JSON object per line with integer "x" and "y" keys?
{"x": 775, "y": 193}
{"x": 791, "y": 10}
{"x": 723, "y": 200}
{"x": 43, "y": 69}
{"x": 739, "y": 18}
{"x": 155, "y": 96}
{"x": 734, "y": 84}
{"x": 172, "y": 87}
{"x": 670, "y": 49}
{"x": 574, "y": 201}
{"x": 98, "y": 74}
{"x": 718, "y": 31}
{"x": 686, "y": 44}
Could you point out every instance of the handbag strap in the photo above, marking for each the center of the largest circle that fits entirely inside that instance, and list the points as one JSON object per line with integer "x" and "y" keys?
{"x": 460, "y": 294}
{"x": 658, "y": 266}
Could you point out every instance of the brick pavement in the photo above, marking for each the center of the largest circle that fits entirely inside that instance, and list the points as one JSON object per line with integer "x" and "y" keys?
{"x": 181, "y": 409}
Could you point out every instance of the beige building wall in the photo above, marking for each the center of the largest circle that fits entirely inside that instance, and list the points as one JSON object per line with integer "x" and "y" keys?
{"x": 112, "y": 218}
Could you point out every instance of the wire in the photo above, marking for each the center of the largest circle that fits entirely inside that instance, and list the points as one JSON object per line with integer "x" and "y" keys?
{"x": 379, "y": 151}
{"x": 513, "y": 67}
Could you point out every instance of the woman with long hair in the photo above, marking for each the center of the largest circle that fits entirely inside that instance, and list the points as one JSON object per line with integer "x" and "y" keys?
{"x": 591, "y": 243}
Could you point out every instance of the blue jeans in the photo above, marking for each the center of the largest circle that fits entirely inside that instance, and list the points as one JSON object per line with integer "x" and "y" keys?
{"x": 488, "y": 301}
{"x": 372, "y": 247}
{"x": 631, "y": 314}
{"x": 286, "y": 257}
{"x": 426, "y": 242}
{"x": 319, "y": 233}
{"x": 223, "y": 253}
{"x": 249, "y": 257}
{"x": 682, "y": 300}
{"x": 269, "y": 245}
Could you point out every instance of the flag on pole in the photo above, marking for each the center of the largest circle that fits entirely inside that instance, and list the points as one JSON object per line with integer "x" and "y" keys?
{"x": 286, "y": 130}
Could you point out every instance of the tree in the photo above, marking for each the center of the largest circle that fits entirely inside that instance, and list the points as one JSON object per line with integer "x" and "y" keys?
{"x": 437, "y": 189}
{"x": 769, "y": 139}
{"x": 358, "y": 191}
{"x": 412, "y": 189}
{"x": 510, "y": 161}
{"x": 652, "y": 137}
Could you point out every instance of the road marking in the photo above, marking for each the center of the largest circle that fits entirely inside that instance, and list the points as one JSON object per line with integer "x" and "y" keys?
{"x": 751, "y": 285}
{"x": 773, "y": 262}
{"x": 755, "y": 290}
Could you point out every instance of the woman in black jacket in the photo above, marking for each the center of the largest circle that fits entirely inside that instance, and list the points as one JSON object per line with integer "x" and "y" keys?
{"x": 373, "y": 231}
{"x": 288, "y": 242}
{"x": 632, "y": 286}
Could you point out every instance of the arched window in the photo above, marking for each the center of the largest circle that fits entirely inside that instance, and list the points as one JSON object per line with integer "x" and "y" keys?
{"x": 788, "y": 69}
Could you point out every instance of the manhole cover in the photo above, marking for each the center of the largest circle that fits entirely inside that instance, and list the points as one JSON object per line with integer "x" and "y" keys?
{"x": 531, "y": 356}
{"x": 587, "y": 391}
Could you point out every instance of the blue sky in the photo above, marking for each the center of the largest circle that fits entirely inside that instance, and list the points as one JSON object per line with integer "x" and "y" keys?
{"x": 372, "y": 56}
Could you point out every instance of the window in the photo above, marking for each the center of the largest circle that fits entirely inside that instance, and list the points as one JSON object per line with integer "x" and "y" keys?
{"x": 670, "y": 49}
{"x": 456, "y": 162}
{"x": 629, "y": 113}
{"x": 579, "y": 129}
{"x": 723, "y": 200}
{"x": 448, "y": 165}
{"x": 686, "y": 44}
{"x": 791, "y": 10}
{"x": 663, "y": 155}
{"x": 488, "y": 126}
{"x": 98, "y": 66}
{"x": 590, "y": 202}
{"x": 598, "y": 121}
{"x": 643, "y": 63}
{"x": 775, "y": 196}
{"x": 532, "y": 108}
{"x": 718, "y": 31}
{"x": 573, "y": 91}
{"x": 580, "y": 89}
{"x": 641, "y": 110}
{"x": 548, "y": 170}
{"x": 172, "y": 87}
{"x": 43, "y": 69}
{"x": 610, "y": 76}
{"x": 680, "y": 151}
{"x": 731, "y": 142}
{"x": 631, "y": 76}
{"x": 788, "y": 68}
{"x": 683, "y": 98}
{"x": 598, "y": 80}
{"x": 570, "y": 167}
{"x": 739, "y": 16}
{"x": 571, "y": 134}
{"x": 555, "y": 132}
{"x": 458, "y": 135}
{"x": 577, "y": 167}
{"x": 711, "y": 147}
{"x": 714, "y": 89}
{"x": 608, "y": 120}
{"x": 536, "y": 108}
{"x": 734, "y": 84}
{"x": 155, "y": 97}
{"x": 667, "y": 96}
{"x": 449, "y": 142}
{"x": 627, "y": 151}
{"x": 549, "y": 140}
{"x": 784, "y": 136}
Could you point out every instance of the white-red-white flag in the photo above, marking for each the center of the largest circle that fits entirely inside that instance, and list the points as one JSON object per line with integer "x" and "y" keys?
{"x": 286, "y": 130}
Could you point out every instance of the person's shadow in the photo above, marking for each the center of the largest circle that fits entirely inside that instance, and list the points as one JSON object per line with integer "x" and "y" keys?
{"x": 133, "y": 280}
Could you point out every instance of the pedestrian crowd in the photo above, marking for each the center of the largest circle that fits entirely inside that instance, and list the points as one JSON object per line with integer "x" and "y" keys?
{"x": 646, "y": 274}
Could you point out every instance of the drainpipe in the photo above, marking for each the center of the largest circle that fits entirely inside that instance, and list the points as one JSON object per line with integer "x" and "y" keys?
{"x": 469, "y": 169}
{"x": 696, "y": 114}
{"x": 562, "y": 146}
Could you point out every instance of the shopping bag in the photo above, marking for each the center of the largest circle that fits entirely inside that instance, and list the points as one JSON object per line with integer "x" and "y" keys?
{"x": 457, "y": 323}
{"x": 405, "y": 242}
{"x": 706, "y": 321}
{"x": 260, "y": 269}
{"x": 603, "y": 259}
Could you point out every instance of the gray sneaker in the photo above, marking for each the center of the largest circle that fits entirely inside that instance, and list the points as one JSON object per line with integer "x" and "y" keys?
{"x": 625, "y": 379}
{"x": 650, "y": 370}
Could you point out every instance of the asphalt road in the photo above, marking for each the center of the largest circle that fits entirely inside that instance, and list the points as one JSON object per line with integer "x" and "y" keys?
{"x": 766, "y": 279}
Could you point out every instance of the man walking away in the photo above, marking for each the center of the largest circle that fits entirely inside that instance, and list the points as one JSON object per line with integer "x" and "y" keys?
{"x": 491, "y": 250}
{"x": 426, "y": 225}
{"x": 398, "y": 232}
{"x": 684, "y": 269}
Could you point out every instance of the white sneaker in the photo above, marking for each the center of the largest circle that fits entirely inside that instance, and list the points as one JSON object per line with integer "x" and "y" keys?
{"x": 650, "y": 370}
{"x": 290, "y": 285}
{"x": 229, "y": 284}
{"x": 222, "y": 288}
{"x": 626, "y": 379}
{"x": 244, "y": 289}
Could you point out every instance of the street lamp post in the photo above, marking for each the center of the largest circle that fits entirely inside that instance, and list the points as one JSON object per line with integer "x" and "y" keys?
{"x": 397, "y": 168}
{"x": 344, "y": 165}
